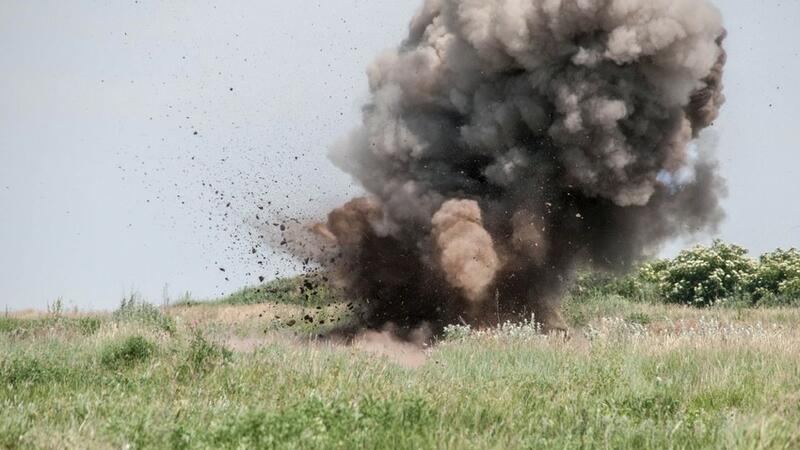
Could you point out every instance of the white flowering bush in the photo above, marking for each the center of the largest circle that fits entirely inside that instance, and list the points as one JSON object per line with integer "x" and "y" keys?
{"x": 653, "y": 271}
{"x": 702, "y": 275}
{"x": 777, "y": 277}
{"x": 791, "y": 289}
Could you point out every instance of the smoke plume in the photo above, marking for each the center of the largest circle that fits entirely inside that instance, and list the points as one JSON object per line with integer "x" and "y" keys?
{"x": 507, "y": 142}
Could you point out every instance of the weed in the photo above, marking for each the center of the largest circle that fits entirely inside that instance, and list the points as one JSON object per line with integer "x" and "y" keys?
{"x": 639, "y": 318}
{"x": 204, "y": 355}
{"x": 29, "y": 370}
{"x": 126, "y": 353}
{"x": 56, "y": 309}
{"x": 89, "y": 325}
{"x": 134, "y": 309}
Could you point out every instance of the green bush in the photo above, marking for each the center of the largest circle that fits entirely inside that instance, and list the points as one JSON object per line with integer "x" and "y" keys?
{"x": 133, "y": 309}
{"x": 126, "y": 353}
{"x": 653, "y": 271}
{"x": 777, "y": 279}
{"x": 722, "y": 274}
{"x": 791, "y": 290}
{"x": 702, "y": 275}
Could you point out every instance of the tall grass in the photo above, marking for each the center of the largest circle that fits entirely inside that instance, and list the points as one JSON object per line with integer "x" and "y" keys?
{"x": 133, "y": 309}
{"x": 634, "y": 375}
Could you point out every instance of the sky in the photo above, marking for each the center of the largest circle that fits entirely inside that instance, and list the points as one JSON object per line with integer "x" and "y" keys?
{"x": 139, "y": 140}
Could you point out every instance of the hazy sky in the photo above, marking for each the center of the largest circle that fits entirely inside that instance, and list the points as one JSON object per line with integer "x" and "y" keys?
{"x": 128, "y": 127}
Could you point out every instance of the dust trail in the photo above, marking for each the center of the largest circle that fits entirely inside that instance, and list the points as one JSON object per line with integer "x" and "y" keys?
{"x": 508, "y": 141}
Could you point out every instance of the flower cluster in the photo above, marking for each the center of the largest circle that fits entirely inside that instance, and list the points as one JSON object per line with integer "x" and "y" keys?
{"x": 526, "y": 330}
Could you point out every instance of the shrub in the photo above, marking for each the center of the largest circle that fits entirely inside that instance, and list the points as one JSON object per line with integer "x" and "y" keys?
{"x": 703, "y": 275}
{"x": 204, "y": 355}
{"x": 791, "y": 290}
{"x": 722, "y": 274}
{"x": 133, "y": 309}
{"x": 126, "y": 353}
{"x": 654, "y": 271}
{"x": 777, "y": 278}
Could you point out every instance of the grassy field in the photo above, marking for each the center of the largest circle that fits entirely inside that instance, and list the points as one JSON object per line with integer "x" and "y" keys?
{"x": 239, "y": 374}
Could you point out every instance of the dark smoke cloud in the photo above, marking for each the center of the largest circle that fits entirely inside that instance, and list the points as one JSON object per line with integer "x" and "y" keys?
{"x": 508, "y": 141}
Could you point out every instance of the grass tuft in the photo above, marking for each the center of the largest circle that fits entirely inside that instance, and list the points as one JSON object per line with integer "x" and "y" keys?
{"x": 126, "y": 353}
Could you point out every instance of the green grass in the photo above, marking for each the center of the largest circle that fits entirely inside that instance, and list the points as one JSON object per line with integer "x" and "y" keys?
{"x": 43, "y": 325}
{"x": 127, "y": 352}
{"x": 312, "y": 290}
{"x": 632, "y": 375}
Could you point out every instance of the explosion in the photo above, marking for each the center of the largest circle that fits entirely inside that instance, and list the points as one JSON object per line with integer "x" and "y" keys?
{"x": 507, "y": 142}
